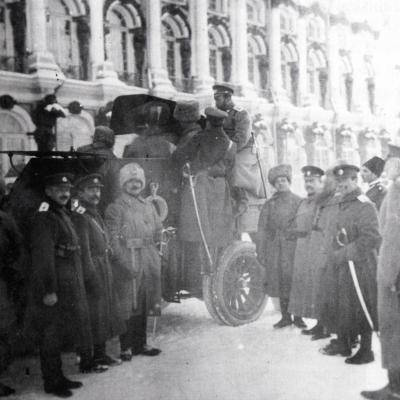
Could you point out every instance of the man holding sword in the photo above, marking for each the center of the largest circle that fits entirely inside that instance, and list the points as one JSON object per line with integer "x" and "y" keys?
{"x": 354, "y": 254}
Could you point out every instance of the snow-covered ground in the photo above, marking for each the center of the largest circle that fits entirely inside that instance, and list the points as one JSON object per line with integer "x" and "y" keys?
{"x": 205, "y": 361}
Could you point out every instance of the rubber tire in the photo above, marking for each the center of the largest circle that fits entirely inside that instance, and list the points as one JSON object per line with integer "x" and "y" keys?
{"x": 210, "y": 301}
{"x": 231, "y": 253}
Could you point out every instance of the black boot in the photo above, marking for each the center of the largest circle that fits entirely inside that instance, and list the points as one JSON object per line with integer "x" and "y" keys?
{"x": 57, "y": 390}
{"x": 376, "y": 394}
{"x": 68, "y": 384}
{"x": 394, "y": 385}
{"x": 365, "y": 354}
{"x": 299, "y": 323}
{"x": 101, "y": 357}
{"x": 321, "y": 334}
{"x": 286, "y": 319}
{"x": 6, "y": 390}
{"x": 339, "y": 347}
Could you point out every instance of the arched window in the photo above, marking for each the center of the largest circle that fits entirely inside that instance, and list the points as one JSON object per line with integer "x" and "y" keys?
{"x": 289, "y": 70}
{"x": 316, "y": 73}
{"x": 287, "y": 21}
{"x": 6, "y": 39}
{"x": 13, "y": 127}
{"x": 68, "y": 36}
{"x": 219, "y": 45}
{"x": 176, "y": 50}
{"x": 257, "y": 62}
{"x": 315, "y": 30}
{"x": 255, "y": 12}
{"x": 122, "y": 20}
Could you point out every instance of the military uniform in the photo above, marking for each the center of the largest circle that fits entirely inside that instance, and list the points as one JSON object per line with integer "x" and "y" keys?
{"x": 97, "y": 272}
{"x": 56, "y": 268}
{"x": 210, "y": 154}
{"x": 358, "y": 240}
{"x": 135, "y": 228}
{"x": 275, "y": 249}
{"x": 376, "y": 193}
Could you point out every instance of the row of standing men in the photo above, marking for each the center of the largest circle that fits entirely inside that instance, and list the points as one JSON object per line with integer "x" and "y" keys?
{"x": 308, "y": 246}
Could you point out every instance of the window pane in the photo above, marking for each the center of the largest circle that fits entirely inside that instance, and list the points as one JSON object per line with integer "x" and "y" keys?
{"x": 213, "y": 63}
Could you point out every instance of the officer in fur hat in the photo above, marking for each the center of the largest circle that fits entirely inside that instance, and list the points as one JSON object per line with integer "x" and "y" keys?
{"x": 357, "y": 240}
{"x": 135, "y": 230}
{"x": 275, "y": 249}
{"x": 371, "y": 172}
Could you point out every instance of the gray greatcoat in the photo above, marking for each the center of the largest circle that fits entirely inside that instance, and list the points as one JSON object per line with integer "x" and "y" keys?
{"x": 301, "y": 294}
{"x": 275, "y": 250}
{"x": 135, "y": 227}
{"x": 388, "y": 278}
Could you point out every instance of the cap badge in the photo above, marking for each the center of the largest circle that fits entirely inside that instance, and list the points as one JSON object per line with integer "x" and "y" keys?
{"x": 340, "y": 172}
{"x": 64, "y": 179}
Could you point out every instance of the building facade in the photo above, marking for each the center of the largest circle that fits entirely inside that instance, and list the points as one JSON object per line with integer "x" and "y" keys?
{"x": 307, "y": 76}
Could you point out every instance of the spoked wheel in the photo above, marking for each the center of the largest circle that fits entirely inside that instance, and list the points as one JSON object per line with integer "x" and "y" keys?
{"x": 237, "y": 286}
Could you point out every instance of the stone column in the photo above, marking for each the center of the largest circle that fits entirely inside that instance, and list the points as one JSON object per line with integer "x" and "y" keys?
{"x": 201, "y": 54}
{"x": 240, "y": 71}
{"x": 303, "y": 94}
{"x": 41, "y": 62}
{"x": 334, "y": 80}
{"x": 101, "y": 68}
{"x": 275, "y": 54}
{"x": 158, "y": 76}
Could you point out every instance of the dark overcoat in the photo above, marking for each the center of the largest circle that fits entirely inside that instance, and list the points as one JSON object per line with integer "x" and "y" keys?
{"x": 211, "y": 161}
{"x": 388, "y": 279}
{"x": 358, "y": 217}
{"x": 376, "y": 193}
{"x": 301, "y": 293}
{"x": 10, "y": 250}
{"x": 135, "y": 228}
{"x": 97, "y": 272}
{"x": 57, "y": 268}
{"x": 275, "y": 250}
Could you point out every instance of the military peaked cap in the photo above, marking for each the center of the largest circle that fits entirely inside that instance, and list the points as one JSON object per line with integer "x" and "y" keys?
{"x": 91, "y": 180}
{"x": 345, "y": 170}
{"x": 223, "y": 89}
{"x": 62, "y": 178}
{"x": 311, "y": 170}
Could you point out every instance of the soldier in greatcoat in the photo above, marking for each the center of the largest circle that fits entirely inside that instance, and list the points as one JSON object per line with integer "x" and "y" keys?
{"x": 371, "y": 172}
{"x": 237, "y": 125}
{"x": 10, "y": 251}
{"x": 103, "y": 143}
{"x": 275, "y": 249}
{"x": 302, "y": 284}
{"x": 97, "y": 271}
{"x": 389, "y": 283}
{"x": 210, "y": 155}
{"x": 57, "y": 307}
{"x": 357, "y": 240}
{"x": 135, "y": 230}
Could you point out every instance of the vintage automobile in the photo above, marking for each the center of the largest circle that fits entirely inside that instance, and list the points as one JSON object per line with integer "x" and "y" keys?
{"x": 233, "y": 289}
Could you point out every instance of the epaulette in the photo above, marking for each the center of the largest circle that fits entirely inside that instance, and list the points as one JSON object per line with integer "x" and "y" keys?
{"x": 80, "y": 210}
{"x": 363, "y": 198}
{"x": 238, "y": 108}
{"x": 44, "y": 206}
{"x": 381, "y": 188}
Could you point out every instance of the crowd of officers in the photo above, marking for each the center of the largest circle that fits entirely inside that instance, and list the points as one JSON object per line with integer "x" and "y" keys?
{"x": 309, "y": 247}
{"x": 97, "y": 275}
